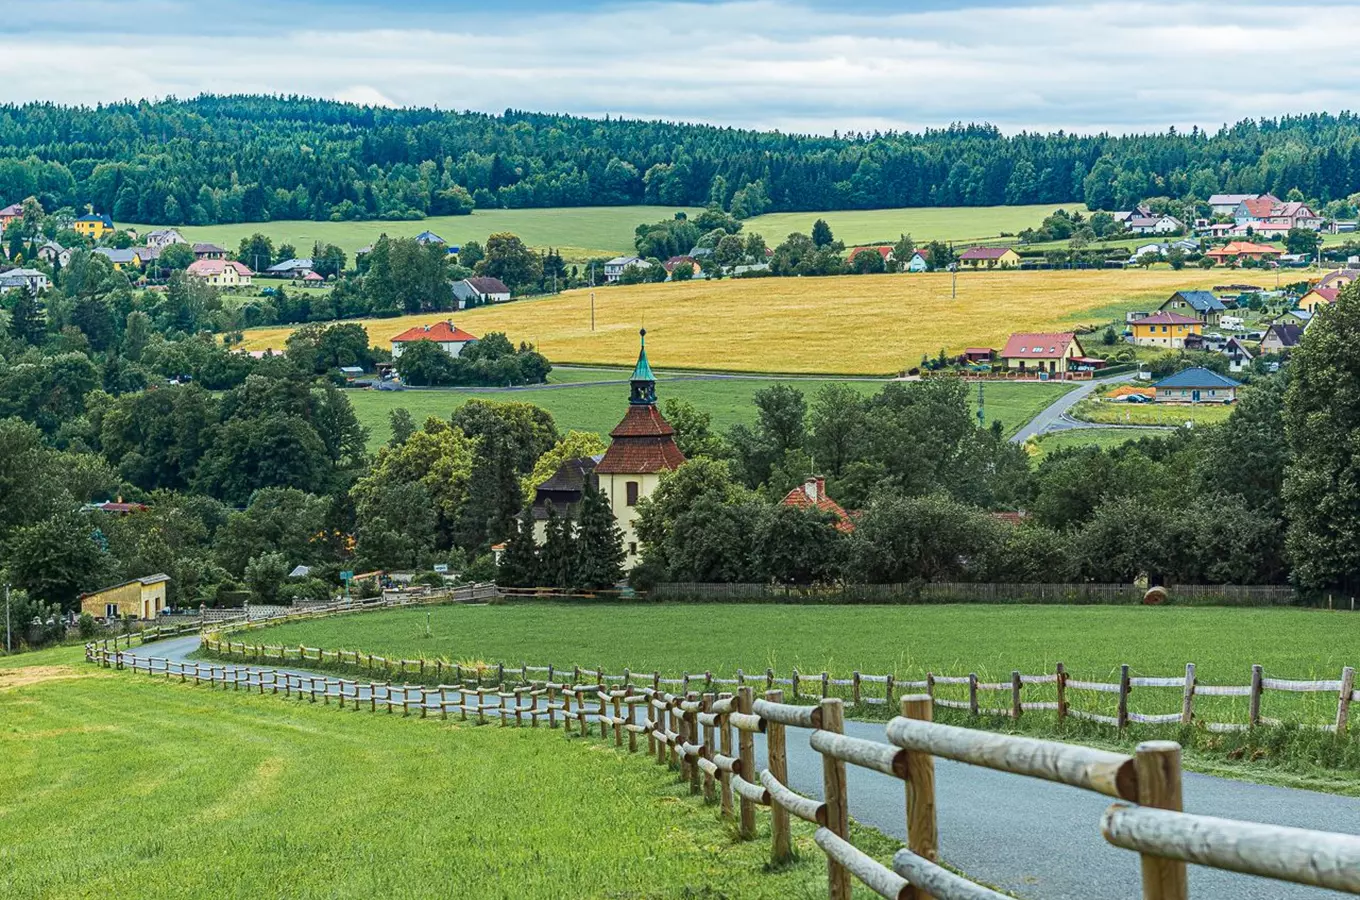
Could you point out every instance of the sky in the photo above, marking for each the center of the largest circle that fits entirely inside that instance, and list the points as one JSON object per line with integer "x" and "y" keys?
{"x": 813, "y": 66}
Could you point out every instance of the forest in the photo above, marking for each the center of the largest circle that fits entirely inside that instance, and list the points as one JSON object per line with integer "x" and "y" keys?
{"x": 218, "y": 159}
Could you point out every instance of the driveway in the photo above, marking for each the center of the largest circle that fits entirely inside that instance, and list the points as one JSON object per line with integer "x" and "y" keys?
{"x": 1054, "y": 417}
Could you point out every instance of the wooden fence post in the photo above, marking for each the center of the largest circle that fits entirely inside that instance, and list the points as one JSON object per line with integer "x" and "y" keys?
{"x": 1254, "y": 704}
{"x": 769, "y": 679}
{"x": 972, "y": 694}
{"x": 1016, "y": 684}
{"x": 1343, "y": 700}
{"x": 746, "y": 743}
{"x": 692, "y": 737}
{"x": 725, "y": 777}
{"x": 794, "y": 686}
{"x": 837, "y": 803}
{"x": 1060, "y": 672}
{"x": 826, "y": 684}
{"x": 1188, "y": 695}
{"x": 888, "y": 691}
{"x": 923, "y": 835}
{"x": 632, "y": 719}
{"x": 618, "y": 720}
{"x": 854, "y": 688}
{"x": 781, "y": 845}
{"x": 1122, "y": 716}
{"x": 710, "y": 734}
{"x": 1158, "y": 764}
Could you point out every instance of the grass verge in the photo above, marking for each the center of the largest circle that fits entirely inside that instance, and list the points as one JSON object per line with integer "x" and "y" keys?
{"x": 1175, "y": 414}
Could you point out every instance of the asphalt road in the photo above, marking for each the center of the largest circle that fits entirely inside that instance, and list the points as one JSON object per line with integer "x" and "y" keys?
{"x": 1034, "y": 838}
{"x": 1054, "y": 416}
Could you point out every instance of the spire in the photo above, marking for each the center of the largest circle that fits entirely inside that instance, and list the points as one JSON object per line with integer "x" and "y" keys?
{"x": 643, "y": 381}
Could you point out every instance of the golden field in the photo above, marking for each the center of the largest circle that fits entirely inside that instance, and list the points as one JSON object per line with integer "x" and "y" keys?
{"x": 853, "y": 324}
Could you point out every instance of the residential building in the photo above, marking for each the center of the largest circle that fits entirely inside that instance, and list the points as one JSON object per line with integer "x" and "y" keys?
{"x": 92, "y": 226}
{"x": 1239, "y": 357}
{"x": 563, "y": 492}
{"x": 140, "y": 598}
{"x": 290, "y": 268}
{"x": 1197, "y": 385}
{"x": 1318, "y": 296}
{"x": 129, "y": 258}
{"x": 1241, "y": 251}
{"x": 919, "y": 262}
{"x": 642, "y": 448}
{"x": 1300, "y": 317}
{"x": 1339, "y": 278}
{"x": 1124, "y": 216}
{"x": 1165, "y": 329}
{"x": 812, "y": 493}
{"x": 480, "y": 290}
{"x": 10, "y": 213}
{"x": 164, "y": 237}
{"x": 1226, "y": 204}
{"x": 1042, "y": 353}
{"x": 429, "y": 237}
{"x": 1154, "y": 225}
{"x": 29, "y": 279}
{"x": 670, "y": 264}
{"x": 1203, "y": 305}
{"x": 1268, "y": 215}
{"x": 990, "y": 258}
{"x": 1281, "y": 338}
{"x": 613, "y": 269}
{"x": 224, "y": 273}
{"x": 53, "y": 253}
{"x": 450, "y": 338}
{"x": 884, "y": 251}
{"x": 209, "y": 251}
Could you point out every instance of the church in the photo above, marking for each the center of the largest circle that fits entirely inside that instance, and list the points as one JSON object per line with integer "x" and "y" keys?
{"x": 642, "y": 447}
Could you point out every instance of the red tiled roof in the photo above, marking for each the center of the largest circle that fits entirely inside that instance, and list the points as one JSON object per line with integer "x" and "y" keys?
{"x": 1237, "y": 248}
{"x": 1259, "y": 207}
{"x": 799, "y": 497}
{"x": 1011, "y": 518}
{"x": 14, "y": 209}
{"x": 644, "y": 442}
{"x": 1166, "y": 318}
{"x": 642, "y": 420}
{"x": 984, "y": 252}
{"x": 217, "y": 267}
{"x": 439, "y": 332}
{"x": 1038, "y": 345}
{"x": 1328, "y": 294}
{"x": 884, "y": 251}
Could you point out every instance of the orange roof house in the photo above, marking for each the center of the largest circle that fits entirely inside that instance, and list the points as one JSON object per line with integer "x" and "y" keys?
{"x": 1237, "y": 251}
{"x": 813, "y": 493}
{"x": 449, "y": 337}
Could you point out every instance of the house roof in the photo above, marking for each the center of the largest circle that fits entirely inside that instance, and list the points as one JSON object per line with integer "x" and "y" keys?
{"x": 884, "y": 251}
{"x": 642, "y": 442}
{"x": 1199, "y": 300}
{"x": 566, "y": 486}
{"x": 985, "y": 252}
{"x": 1349, "y": 274}
{"x": 289, "y": 265}
{"x": 1326, "y": 293}
{"x": 670, "y": 264}
{"x": 624, "y": 261}
{"x": 429, "y": 237}
{"x": 145, "y": 580}
{"x": 1293, "y": 209}
{"x": 1259, "y": 207}
{"x": 208, "y": 248}
{"x": 108, "y": 223}
{"x": 1303, "y": 315}
{"x": 1287, "y": 335}
{"x": 1225, "y": 199}
{"x": 309, "y": 275}
{"x": 1197, "y": 377}
{"x": 485, "y": 284}
{"x": 1238, "y": 347}
{"x": 14, "y": 209}
{"x": 1038, "y": 345}
{"x": 1236, "y": 248}
{"x": 1166, "y": 317}
{"x": 132, "y": 254}
{"x": 812, "y": 493}
{"x": 217, "y": 267}
{"x": 439, "y": 332}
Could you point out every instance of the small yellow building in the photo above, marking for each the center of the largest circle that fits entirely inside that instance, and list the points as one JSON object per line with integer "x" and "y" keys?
{"x": 990, "y": 258}
{"x": 1318, "y": 296}
{"x": 92, "y": 226}
{"x": 1165, "y": 329}
{"x": 140, "y": 598}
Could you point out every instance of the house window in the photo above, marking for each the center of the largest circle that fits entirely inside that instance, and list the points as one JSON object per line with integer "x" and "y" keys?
{"x": 631, "y": 489}
{"x": 110, "y": 610}
{"x": 632, "y": 548}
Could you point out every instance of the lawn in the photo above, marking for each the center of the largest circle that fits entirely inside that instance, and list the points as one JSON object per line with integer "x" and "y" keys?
{"x": 864, "y": 226}
{"x": 117, "y": 785}
{"x": 1105, "y": 438}
{"x": 599, "y": 407}
{"x": 867, "y": 324}
{"x": 1105, "y": 413}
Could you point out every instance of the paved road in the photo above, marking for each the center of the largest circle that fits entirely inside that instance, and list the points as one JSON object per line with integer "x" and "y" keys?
{"x": 664, "y": 376}
{"x": 1036, "y": 839}
{"x": 1054, "y": 416}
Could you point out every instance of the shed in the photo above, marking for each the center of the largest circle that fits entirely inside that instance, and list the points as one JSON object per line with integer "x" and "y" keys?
{"x": 140, "y": 598}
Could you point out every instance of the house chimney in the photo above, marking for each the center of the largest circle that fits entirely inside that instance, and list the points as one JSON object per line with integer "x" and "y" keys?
{"x": 810, "y": 487}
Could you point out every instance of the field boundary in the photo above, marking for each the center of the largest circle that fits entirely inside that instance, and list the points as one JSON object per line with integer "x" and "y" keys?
{"x": 694, "y": 734}
{"x": 973, "y": 592}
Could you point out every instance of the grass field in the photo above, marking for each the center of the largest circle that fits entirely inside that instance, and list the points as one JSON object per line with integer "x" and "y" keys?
{"x": 599, "y": 407}
{"x": 864, "y": 226}
{"x": 869, "y": 324}
{"x": 1106, "y": 438}
{"x": 118, "y": 786}
{"x": 1151, "y": 413}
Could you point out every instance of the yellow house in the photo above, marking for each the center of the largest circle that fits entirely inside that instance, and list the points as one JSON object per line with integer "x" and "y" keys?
{"x": 121, "y": 258}
{"x": 1042, "y": 352}
{"x": 226, "y": 273}
{"x": 92, "y": 226}
{"x": 990, "y": 258}
{"x": 1318, "y": 296}
{"x": 140, "y": 598}
{"x": 1165, "y": 329}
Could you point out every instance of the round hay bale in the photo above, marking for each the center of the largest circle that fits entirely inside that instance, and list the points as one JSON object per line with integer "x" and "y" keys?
{"x": 1155, "y": 596}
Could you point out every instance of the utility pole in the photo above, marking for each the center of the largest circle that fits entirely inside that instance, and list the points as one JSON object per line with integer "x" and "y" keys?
{"x": 981, "y": 418}
{"x": 953, "y": 281}
{"x": 592, "y": 303}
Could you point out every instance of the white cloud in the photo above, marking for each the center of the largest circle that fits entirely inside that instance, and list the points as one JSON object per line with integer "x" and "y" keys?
{"x": 762, "y": 63}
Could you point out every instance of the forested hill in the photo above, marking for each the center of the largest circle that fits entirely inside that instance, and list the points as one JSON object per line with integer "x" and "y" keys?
{"x": 253, "y": 158}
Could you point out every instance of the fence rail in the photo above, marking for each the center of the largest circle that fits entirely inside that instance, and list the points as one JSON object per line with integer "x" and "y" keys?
{"x": 969, "y": 592}
{"x": 710, "y": 738}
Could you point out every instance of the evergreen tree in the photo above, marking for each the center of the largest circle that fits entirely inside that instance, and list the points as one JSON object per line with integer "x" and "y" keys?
{"x": 28, "y": 319}
{"x": 599, "y": 543}
{"x": 557, "y": 560}
{"x": 821, "y": 233}
{"x": 519, "y": 563}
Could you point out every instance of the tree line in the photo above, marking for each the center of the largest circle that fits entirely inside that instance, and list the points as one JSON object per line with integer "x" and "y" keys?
{"x": 215, "y": 159}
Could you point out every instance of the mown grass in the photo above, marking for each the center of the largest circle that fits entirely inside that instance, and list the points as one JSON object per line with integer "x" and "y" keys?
{"x": 991, "y": 641}
{"x": 947, "y": 223}
{"x": 117, "y": 785}
{"x": 845, "y": 325}
{"x": 1092, "y": 410}
{"x": 599, "y": 407}
{"x": 1105, "y": 438}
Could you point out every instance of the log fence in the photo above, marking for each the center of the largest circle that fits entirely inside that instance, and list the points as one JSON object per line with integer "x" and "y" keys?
{"x": 681, "y": 728}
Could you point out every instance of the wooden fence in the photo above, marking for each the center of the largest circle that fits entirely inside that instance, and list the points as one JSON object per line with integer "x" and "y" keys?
{"x": 970, "y": 592}
{"x": 710, "y": 738}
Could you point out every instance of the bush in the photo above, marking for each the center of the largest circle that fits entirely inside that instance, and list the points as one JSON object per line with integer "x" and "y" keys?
{"x": 305, "y": 590}
{"x": 88, "y": 627}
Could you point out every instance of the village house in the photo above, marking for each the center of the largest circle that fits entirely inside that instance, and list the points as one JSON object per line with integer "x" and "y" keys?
{"x": 1239, "y": 357}
{"x": 1281, "y": 338}
{"x": 1123, "y": 216}
{"x": 670, "y": 264}
{"x": 1339, "y": 278}
{"x": 1267, "y": 215}
{"x": 209, "y": 251}
{"x": 224, "y": 273}
{"x": 884, "y": 251}
{"x": 1241, "y": 251}
{"x": 977, "y": 354}
{"x": 1301, "y": 317}
{"x": 1154, "y": 225}
{"x": 1165, "y": 329}
{"x": 164, "y": 237}
{"x": 480, "y": 290}
{"x": 812, "y": 493}
{"x": 1043, "y": 353}
{"x": 1197, "y": 385}
{"x": 1203, "y": 305}
{"x": 429, "y": 237}
{"x": 92, "y": 226}
{"x": 919, "y": 262}
{"x": 130, "y": 258}
{"x": 990, "y": 258}
{"x": 1226, "y": 204}
{"x": 32, "y": 280}
{"x": 641, "y": 448}
{"x": 613, "y": 269}
{"x": 10, "y": 214}
{"x": 449, "y": 337}
{"x": 140, "y": 598}
{"x": 290, "y": 268}
{"x": 53, "y": 253}
{"x": 563, "y": 492}
{"x": 1318, "y": 296}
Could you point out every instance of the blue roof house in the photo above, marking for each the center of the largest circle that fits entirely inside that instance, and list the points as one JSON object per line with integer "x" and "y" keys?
{"x": 1197, "y": 385}
{"x": 1203, "y": 305}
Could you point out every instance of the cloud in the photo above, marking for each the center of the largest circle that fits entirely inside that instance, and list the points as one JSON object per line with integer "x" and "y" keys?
{"x": 757, "y": 63}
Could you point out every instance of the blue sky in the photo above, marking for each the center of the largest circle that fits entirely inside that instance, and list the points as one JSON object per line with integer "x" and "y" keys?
{"x": 799, "y": 66}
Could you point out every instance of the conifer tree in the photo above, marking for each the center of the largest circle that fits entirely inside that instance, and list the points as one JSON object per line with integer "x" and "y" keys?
{"x": 557, "y": 559}
{"x": 519, "y": 563}
{"x": 599, "y": 543}
{"x": 27, "y": 321}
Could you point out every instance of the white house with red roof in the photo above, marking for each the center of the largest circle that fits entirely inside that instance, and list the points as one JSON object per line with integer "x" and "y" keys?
{"x": 226, "y": 273}
{"x": 1042, "y": 352}
{"x": 812, "y": 492}
{"x": 450, "y": 338}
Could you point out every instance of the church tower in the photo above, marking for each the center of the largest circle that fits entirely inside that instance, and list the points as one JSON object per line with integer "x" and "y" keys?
{"x": 642, "y": 447}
